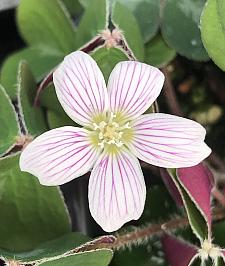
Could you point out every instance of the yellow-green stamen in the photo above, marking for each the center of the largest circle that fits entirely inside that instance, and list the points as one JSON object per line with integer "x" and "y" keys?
{"x": 112, "y": 132}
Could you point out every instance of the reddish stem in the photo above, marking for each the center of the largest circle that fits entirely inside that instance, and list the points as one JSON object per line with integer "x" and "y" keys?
{"x": 170, "y": 95}
{"x": 219, "y": 196}
{"x": 89, "y": 47}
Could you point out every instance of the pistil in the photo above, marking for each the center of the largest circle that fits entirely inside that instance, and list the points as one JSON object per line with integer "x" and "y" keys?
{"x": 110, "y": 132}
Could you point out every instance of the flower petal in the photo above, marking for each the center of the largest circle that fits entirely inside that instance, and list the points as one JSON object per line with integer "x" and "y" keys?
{"x": 116, "y": 190}
{"x": 80, "y": 87}
{"x": 133, "y": 87}
{"x": 169, "y": 141}
{"x": 59, "y": 155}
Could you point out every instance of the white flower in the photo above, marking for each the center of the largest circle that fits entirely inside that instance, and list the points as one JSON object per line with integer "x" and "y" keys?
{"x": 114, "y": 135}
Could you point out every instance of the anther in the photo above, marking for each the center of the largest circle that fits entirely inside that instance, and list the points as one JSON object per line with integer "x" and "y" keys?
{"x": 100, "y": 135}
{"x": 110, "y": 132}
{"x": 95, "y": 126}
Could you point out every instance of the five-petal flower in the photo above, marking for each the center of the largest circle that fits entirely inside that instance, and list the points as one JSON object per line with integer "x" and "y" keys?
{"x": 115, "y": 134}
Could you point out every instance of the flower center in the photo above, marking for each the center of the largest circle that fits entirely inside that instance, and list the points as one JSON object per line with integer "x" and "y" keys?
{"x": 209, "y": 250}
{"x": 112, "y": 131}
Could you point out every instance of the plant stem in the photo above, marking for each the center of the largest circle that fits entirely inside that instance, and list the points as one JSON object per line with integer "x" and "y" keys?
{"x": 87, "y": 48}
{"x": 140, "y": 235}
{"x": 170, "y": 95}
{"x": 175, "y": 109}
{"x": 217, "y": 162}
{"x": 135, "y": 237}
{"x": 218, "y": 196}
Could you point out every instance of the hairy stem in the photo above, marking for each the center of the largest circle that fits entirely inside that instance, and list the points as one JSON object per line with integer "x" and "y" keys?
{"x": 135, "y": 237}
{"x": 140, "y": 235}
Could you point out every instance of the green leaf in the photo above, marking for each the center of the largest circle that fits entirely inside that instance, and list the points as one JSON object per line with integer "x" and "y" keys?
{"x": 73, "y": 7}
{"x": 60, "y": 245}
{"x": 30, "y": 213}
{"x": 47, "y": 25}
{"x": 84, "y": 3}
{"x": 196, "y": 219}
{"x": 39, "y": 60}
{"x": 213, "y": 36}
{"x": 218, "y": 233}
{"x": 221, "y": 10}
{"x": 59, "y": 120}
{"x": 50, "y": 248}
{"x": 131, "y": 256}
{"x": 49, "y": 100}
{"x": 92, "y": 22}
{"x": 158, "y": 53}
{"x": 100, "y": 257}
{"x": 180, "y": 27}
{"x": 127, "y": 23}
{"x": 148, "y": 253}
{"x": 198, "y": 262}
{"x": 220, "y": 262}
{"x": 32, "y": 117}
{"x": 147, "y": 15}
{"x": 107, "y": 58}
{"x": 56, "y": 116}
{"x": 9, "y": 124}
